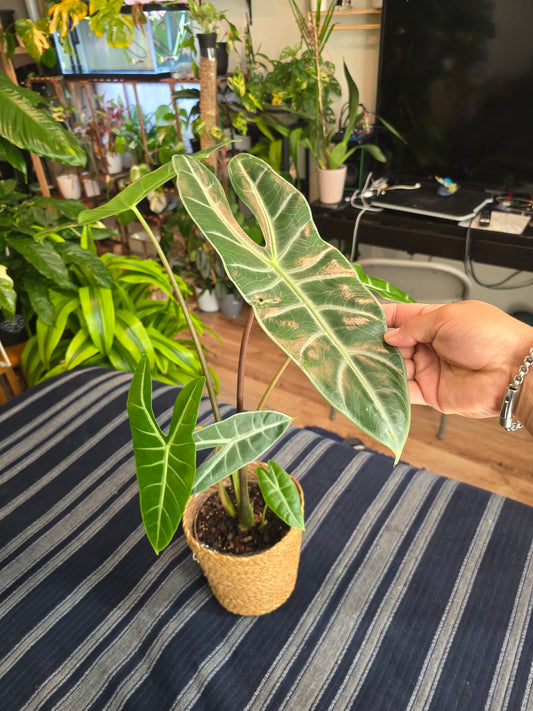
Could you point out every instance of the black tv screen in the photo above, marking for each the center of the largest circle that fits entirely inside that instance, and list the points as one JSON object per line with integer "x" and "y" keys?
{"x": 456, "y": 80}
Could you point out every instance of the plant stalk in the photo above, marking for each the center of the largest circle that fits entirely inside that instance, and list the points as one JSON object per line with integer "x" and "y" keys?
{"x": 246, "y": 514}
{"x": 183, "y": 304}
{"x": 242, "y": 360}
{"x": 273, "y": 383}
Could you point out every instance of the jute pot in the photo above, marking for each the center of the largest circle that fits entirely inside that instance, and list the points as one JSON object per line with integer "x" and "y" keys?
{"x": 246, "y": 585}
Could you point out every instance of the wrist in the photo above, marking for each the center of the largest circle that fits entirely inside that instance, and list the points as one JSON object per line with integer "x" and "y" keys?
{"x": 524, "y": 409}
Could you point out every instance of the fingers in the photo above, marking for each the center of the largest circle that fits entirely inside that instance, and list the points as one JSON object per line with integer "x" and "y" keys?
{"x": 398, "y": 314}
{"x": 411, "y": 324}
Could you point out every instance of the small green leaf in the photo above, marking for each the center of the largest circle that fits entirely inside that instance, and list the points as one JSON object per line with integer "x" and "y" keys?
{"x": 8, "y": 297}
{"x": 383, "y": 288}
{"x": 80, "y": 350}
{"x": 130, "y": 196}
{"x": 281, "y": 494}
{"x": 237, "y": 441}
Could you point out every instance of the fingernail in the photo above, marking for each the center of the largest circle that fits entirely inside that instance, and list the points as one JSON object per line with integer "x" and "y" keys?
{"x": 391, "y": 334}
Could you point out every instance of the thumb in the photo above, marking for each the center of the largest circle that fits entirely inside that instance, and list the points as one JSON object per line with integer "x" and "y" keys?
{"x": 419, "y": 329}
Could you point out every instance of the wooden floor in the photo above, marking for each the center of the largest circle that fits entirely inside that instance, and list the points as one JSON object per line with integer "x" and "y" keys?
{"x": 478, "y": 452}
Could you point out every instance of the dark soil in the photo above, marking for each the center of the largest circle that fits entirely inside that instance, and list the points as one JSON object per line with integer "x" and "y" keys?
{"x": 218, "y": 530}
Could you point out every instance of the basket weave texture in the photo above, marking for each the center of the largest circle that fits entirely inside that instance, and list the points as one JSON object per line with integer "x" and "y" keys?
{"x": 246, "y": 585}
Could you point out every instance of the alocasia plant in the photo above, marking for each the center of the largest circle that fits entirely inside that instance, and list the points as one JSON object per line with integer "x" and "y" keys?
{"x": 311, "y": 302}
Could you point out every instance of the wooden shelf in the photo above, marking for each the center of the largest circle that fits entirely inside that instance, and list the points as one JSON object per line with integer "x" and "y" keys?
{"x": 356, "y": 11}
{"x": 358, "y": 27}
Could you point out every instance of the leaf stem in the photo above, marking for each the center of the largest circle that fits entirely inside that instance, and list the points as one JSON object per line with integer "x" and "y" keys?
{"x": 273, "y": 383}
{"x": 181, "y": 300}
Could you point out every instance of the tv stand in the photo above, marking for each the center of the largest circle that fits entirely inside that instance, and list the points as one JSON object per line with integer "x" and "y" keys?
{"x": 415, "y": 233}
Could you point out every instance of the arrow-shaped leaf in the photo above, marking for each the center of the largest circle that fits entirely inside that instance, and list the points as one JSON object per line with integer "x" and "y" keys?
{"x": 165, "y": 464}
{"x": 304, "y": 292}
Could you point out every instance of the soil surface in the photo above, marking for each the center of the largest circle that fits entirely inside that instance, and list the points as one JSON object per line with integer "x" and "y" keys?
{"x": 218, "y": 530}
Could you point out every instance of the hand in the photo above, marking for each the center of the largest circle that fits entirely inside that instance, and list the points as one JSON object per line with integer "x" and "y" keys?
{"x": 460, "y": 357}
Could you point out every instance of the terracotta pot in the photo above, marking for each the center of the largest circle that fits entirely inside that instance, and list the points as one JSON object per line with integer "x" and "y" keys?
{"x": 248, "y": 584}
{"x": 331, "y": 185}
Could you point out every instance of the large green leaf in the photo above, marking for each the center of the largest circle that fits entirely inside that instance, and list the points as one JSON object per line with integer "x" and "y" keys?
{"x": 237, "y": 441}
{"x": 130, "y": 196}
{"x": 43, "y": 257}
{"x": 165, "y": 464}
{"x": 99, "y": 313}
{"x": 304, "y": 293}
{"x": 48, "y": 336}
{"x": 27, "y": 126}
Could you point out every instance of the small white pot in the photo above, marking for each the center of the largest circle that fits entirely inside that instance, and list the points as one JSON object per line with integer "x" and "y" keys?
{"x": 331, "y": 185}
{"x": 114, "y": 163}
{"x": 91, "y": 187}
{"x": 69, "y": 186}
{"x": 207, "y": 300}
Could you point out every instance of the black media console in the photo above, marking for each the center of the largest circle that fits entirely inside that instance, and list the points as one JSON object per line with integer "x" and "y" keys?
{"x": 416, "y": 233}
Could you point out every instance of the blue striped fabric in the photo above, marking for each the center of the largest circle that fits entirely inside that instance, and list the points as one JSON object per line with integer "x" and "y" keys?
{"x": 414, "y": 591}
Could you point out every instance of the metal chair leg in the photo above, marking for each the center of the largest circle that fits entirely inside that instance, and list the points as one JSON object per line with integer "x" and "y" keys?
{"x": 442, "y": 426}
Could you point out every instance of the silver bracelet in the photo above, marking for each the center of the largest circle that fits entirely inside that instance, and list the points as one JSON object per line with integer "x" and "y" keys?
{"x": 511, "y": 396}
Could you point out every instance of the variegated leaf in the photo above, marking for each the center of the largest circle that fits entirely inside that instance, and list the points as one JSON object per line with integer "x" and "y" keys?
{"x": 305, "y": 294}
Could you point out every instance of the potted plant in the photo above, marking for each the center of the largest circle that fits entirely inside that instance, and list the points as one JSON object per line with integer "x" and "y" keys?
{"x": 104, "y": 129}
{"x": 319, "y": 133}
{"x": 209, "y": 20}
{"x": 309, "y": 299}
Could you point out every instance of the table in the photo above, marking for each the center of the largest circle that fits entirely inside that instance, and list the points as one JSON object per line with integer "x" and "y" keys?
{"x": 414, "y": 591}
{"x": 425, "y": 235}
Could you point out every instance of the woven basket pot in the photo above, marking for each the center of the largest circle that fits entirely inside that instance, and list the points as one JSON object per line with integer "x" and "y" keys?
{"x": 246, "y": 585}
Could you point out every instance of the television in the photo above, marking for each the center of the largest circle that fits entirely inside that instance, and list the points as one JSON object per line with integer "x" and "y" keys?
{"x": 456, "y": 80}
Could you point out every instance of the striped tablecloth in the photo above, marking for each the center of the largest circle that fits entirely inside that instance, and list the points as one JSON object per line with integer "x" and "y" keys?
{"x": 414, "y": 591}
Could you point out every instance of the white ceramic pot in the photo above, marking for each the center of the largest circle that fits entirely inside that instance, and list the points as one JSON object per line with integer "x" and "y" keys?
{"x": 114, "y": 163}
{"x": 207, "y": 300}
{"x": 91, "y": 187}
{"x": 331, "y": 185}
{"x": 69, "y": 186}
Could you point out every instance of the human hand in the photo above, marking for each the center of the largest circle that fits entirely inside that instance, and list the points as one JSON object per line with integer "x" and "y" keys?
{"x": 460, "y": 357}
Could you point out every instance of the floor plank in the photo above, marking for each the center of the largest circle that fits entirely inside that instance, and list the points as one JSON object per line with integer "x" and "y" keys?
{"x": 477, "y": 452}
